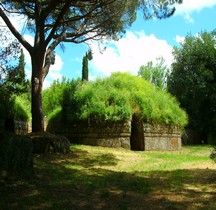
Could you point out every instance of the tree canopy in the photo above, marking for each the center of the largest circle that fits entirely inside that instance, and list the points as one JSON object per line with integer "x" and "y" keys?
{"x": 193, "y": 80}
{"x": 155, "y": 73}
{"x": 54, "y": 22}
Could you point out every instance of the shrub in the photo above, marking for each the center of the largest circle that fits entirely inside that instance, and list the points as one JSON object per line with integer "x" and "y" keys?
{"x": 53, "y": 96}
{"x": 55, "y": 114}
{"x": 15, "y": 107}
{"x": 21, "y": 109}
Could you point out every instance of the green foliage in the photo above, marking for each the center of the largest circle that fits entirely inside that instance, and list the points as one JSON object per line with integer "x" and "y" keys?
{"x": 193, "y": 80}
{"x": 55, "y": 114}
{"x": 53, "y": 96}
{"x": 70, "y": 106}
{"x": 14, "y": 81}
{"x": 118, "y": 97}
{"x": 14, "y": 94}
{"x": 20, "y": 109}
{"x": 16, "y": 155}
{"x": 156, "y": 74}
{"x": 15, "y": 107}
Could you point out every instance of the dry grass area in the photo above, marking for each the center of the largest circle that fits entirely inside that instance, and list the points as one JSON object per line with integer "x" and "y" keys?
{"x": 105, "y": 178}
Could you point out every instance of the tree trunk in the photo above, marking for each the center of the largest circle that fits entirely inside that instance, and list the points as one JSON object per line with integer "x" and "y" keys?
{"x": 37, "y": 83}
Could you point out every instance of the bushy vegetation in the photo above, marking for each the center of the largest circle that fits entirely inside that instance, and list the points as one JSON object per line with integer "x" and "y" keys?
{"x": 193, "y": 81}
{"x": 22, "y": 107}
{"x": 53, "y": 96}
{"x": 119, "y": 97}
{"x": 15, "y": 107}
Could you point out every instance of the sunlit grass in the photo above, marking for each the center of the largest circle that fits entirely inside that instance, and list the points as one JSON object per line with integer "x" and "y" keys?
{"x": 130, "y": 161}
{"x": 108, "y": 178}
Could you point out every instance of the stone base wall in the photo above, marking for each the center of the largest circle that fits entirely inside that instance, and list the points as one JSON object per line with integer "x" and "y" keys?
{"x": 16, "y": 126}
{"x": 161, "y": 138}
{"x": 20, "y": 127}
{"x": 118, "y": 134}
{"x": 108, "y": 134}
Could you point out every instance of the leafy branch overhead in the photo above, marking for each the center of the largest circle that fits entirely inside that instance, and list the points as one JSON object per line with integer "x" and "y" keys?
{"x": 79, "y": 21}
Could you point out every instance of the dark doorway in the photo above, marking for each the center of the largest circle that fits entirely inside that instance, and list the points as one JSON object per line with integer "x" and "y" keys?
{"x": 137, "y": 136}
{"x": 9, "y": 125}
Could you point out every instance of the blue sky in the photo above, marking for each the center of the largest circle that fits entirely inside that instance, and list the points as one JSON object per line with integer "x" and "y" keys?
{"x": 143, "y": 42}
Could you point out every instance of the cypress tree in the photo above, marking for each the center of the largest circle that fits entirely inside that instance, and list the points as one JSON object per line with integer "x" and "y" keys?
{"x": 15, "y": 81}
{"x": 85, "y": 68}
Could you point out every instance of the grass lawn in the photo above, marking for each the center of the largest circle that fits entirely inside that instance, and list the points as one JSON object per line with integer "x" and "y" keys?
{"x": 107, "y": 178}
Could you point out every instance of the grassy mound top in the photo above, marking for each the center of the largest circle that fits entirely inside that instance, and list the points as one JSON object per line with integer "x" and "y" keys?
{"x": 119, "y": 97}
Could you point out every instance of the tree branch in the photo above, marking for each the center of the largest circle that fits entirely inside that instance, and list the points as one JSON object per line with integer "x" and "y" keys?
{"x": 14, "y": 31}
{"x": 60, "y": 16}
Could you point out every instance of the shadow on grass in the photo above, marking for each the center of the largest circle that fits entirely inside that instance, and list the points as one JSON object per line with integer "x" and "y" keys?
{"x": 76, "y": 181}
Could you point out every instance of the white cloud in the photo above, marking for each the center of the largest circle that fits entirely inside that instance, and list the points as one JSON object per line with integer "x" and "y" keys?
{"x": 189, "y": 6}
{"x": 46, "y": 84}
{"x": 179, "y": 39}
{"x": 129, "y": 53}
{"x": 58, "y": 64}
{"x": 55, "y": 69}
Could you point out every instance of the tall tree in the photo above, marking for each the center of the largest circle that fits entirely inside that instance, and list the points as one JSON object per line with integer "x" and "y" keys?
{"x": 155, "y": 73}
{"x": 85, "y": 70}
{"x": 193, "y": 80}
{"x": 53, "y": 22}
{"x": 15, "y": 80}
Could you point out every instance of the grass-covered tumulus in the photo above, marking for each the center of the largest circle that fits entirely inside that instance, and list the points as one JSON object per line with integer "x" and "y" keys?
{"x": 117, "y": 98}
